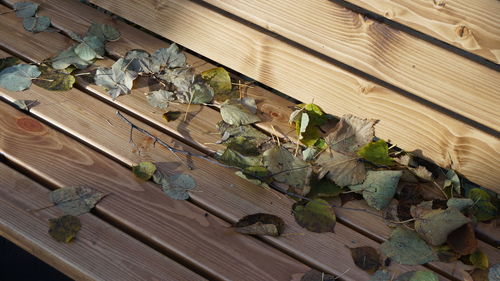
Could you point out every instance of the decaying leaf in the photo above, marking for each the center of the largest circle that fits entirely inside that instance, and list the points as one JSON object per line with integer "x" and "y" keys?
{"x": 117, "y": 80}
{"x": 18, "y": 77}
{"x": 234, "y": 158}
{"x": 419, "y": 171}
{"x": 316, "y": 215}
{"x": 239, "y": 112}
{"x": 54, "y": 80}
{"x": 314, "y": 275}
{"x": 103, "y": 31}
{"x": 379, "y": 187}
{"x": 343, "y": 169}
{"x": 36, "y": 24}
{"x": 65, "y": 228}
{"x": 351, "y": 133}
{"x": 170, "y": 57}
{"x": 75, "y": 200}
{"x": 91, "y": 47}
{"x": 435, "y": 226}
{"x": 218, "y": 78}
{"x": 463, "y": 240}
{"x": 286, "y": 167}
{"x": 247, "y": 132}
{"x": 418, "y": 275}
{"x": 406, "y": 247}
{"x": 381, "y": 275}
{"x": 323, "y": 188}
{"x": 25, "y": 104}
{"x": 160, "y": 98}
{"x": 483, "y": 209}
{"x": 494, "y": 273}
{"x": 376, "y": 152}
{"x": 8, "y": 62}
{"x": 366, "y": 258}
{"x": 69, "y": 57}
{"x": 260, "y": 224}
{"x": 140, "y": 61}
{"x": 197, "y": 93}
{"x": 479, "y": 260}
{"x": 175, "y": 186}
{"x": 25, "y": 9}
{"x": 460, "y": 203}
{"x": 144, "y": 170}
{"x": 446, "y": 254}
{"x": 170, "y": 116}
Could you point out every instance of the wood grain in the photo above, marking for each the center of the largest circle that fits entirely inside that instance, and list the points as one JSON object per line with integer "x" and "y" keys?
{"x": 419, "y": 67}
{"x": 177, "y": 227}
{"x": 218, "y": 190}
{"x": 410, "y": 125}
{"x": 99, "y": 252}
{"x": 473, "y": 26}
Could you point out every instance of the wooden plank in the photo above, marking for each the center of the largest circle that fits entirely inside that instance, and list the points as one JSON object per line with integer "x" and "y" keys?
{"x": 178, "y": 228}
{"x": 99, "y": 252}
{"x": 229, "y": 196}
{"x": 470, "y": 25}
{"x": 410, "y": 125}
{"x": 414, "y": 65}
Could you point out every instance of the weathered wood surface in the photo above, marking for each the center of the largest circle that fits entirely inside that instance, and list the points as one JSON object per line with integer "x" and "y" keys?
{"x": 178, "y": 228}
{"x": 410, "y": 125}
{"x": 99, "y": 252}
{"x": 117, "y": 150}
{"x": 473, "y": 26}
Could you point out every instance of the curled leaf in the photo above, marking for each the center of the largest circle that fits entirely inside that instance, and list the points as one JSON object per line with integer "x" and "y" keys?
{"x": 144, "y": 170}
{"x": 65, "y": 228}
{"x": 316, "y": 216}
{"x": 170, "y": 116}
{"x": 260, "y": 224}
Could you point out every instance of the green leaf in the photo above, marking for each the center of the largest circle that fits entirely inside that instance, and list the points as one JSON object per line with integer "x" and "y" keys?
{"x": 260, "y": 224}
{"x": 104, "y": 32}
{"x": 379, "y": 187}
{"x": 324, "y": 188}
{"x": 435, "y": 225}
{"x": 69, "y": 57}
{"x": 366, "y": 258}
{"x": 175, "y": 186}
{"x": 218, "y": 78}
{"x": 117, "y": 80}
{"x": 8, "y": 62}
{"x": 54, "y": 80}
{"x": 234, "y": 158}
{"x": 170, "y": 57}
{"x": 160, "y": 98}
{"x": 25, "y": 9}
{"x": 239, "y": 112}
{"x": 418, "y": 275}
{"x": 144, "y": 170}
{"x": 36, "y": 24}
{"x": 286, "y": 167}
{"x": 75, "y": 200}
{"x": 376, "y": 152}
{"x": 479, "y": 260}
{"x": 18, "y": 77}
{"x": 307, "y": 119}
{"x": 90, "y": 48}
{"x": 406, "y": 247}
{"x": 170, "y": 116}
{"x": 483, "y": 209}
{"x": 316, "y": 216}
{"x": 460, "y": 203}
{"x": 65, "y": 228}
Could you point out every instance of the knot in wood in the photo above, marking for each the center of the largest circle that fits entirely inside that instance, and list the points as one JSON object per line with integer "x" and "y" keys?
{"x": 29, "y": 124}
{"x": 439, "y": 3}
{"x": 462, "y": 31}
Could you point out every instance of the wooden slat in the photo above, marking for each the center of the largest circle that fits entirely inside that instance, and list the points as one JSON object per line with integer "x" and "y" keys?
{"x": 414, "y": 65}
{"x": 473, "y": 26}
{"x": 410, "y": 125}
{"x": 100, "y": 251}
{"x": 177, "y": 227}
{"x": 227, "y": 195}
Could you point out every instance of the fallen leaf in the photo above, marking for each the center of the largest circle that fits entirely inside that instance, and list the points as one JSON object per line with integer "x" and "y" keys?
{"x": 36, "y": 24}
{"x": 65, "y": 228}
{"x": 160, "y": 98}
{"x": 307, "y": 119}
{"x": 18, "y": 77}
{"x": 343, "y": 169}
{"x": 309, "y": 154}
{"x": 379, "y": 187}
{"x": 237, "y": 112}
{"x": 435, "y": 226}
{"x": 181, "y": 78}
{"x": 144, "y": 170}
{"x": 234, "y": 158}
{"x": 463, "y": 240}
{"x": 8, "y": 62}
{"x": 260, "y": 224}
{"x": 218, "y": 78}
{"x": 198, "y": 93}
{"x": 69, "y": 57}
{"x": 90, "y": 48}
{"x": 316, "y": 216}
{"x": 446, "y": 254}
{"x": 175, "y": 186}
{"x": 139, "y": 61}
{"x": 25, "y": 9}
{"x": 54, "y": 80}
{"x": 103, "y": 31}
{"x": 406, "y": 247}
{"x": 483, "y": 209}
{"x": 248, "y": 132}
{"x": 351, "y": 133}
{"x": 381, "y": 275}
{"x": 324, "y": 188}
{"x": 347, "y": 197}
{"x": 286, "y": 167}
{"x": 170, "y": 57}
{"x": 366, "y": 258}
{"x": 117, "y": 80}
{"x": 170, "y": 116}
{"x": 494, "y": 273}
{"x": 418, "y": 275}
{"x": 75, "y": 200}
{"x": 376, "y": 152}
{"x": 314, "y": 275}
{"x": 479, "y": 260}
{"x": 460, "y": 203}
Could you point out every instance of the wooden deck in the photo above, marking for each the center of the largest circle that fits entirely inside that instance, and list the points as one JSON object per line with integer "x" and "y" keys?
{"x": 428, "y": 99}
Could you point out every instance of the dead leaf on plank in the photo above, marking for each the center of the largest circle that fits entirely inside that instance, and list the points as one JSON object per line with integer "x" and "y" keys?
{"x": 260, "y": 224}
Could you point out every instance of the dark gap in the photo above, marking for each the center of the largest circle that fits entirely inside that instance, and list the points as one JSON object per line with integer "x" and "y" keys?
{"x": 419, "y": 35}
{"x": 358, "y": 72}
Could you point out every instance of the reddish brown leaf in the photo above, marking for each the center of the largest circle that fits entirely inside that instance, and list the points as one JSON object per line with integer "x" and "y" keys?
{"x": 463, "y": 240}
{"x": 366, "y": 258}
